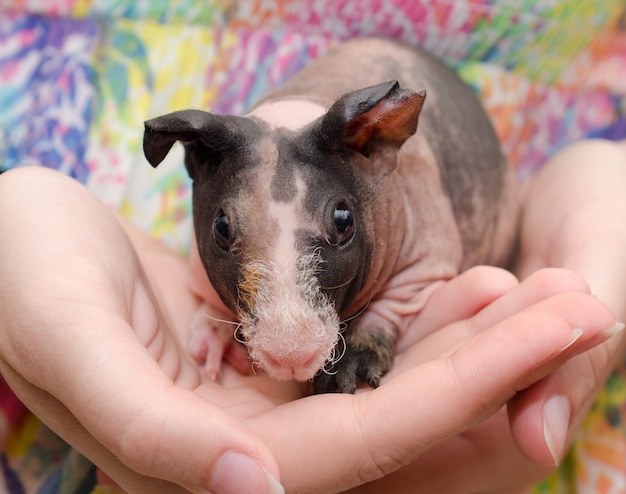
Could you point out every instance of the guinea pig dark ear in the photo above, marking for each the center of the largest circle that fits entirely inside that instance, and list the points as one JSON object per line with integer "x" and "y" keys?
{"x": 375, "y": 117}
{"x": 193, "y": 128}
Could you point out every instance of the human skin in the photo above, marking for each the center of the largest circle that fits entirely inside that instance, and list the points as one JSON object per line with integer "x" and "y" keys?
{"x": 126, "y": 394}
{"x": 572, "y": 218}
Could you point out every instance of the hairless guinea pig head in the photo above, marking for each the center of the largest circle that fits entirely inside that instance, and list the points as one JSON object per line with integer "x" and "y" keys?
{"x": 285, "y": 219}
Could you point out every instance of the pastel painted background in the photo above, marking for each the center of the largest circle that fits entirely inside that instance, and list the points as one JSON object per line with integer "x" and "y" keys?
{"x": 79, "y": 77}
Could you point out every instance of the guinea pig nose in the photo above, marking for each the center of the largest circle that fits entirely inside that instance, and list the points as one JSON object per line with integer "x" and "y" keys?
{"x": 292, "y": 360}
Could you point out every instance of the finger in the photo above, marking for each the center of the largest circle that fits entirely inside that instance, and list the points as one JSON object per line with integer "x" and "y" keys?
{"x": 459, "y": 298}
{"x": 60, "y": 420}
{"x": 153, "y": 427}
{"x": 239, "y": 469}
{"x": 541, "y": 285}
{"x": 544, "y": 417}
{"x": 383, "y": 430}
{"x": 583, "y": 232}
{"x": 161, "y": 430}
{"x": 485, "y": 459}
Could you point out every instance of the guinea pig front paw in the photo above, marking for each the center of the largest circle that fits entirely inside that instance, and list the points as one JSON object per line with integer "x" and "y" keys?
{"x": 367, "y": 358}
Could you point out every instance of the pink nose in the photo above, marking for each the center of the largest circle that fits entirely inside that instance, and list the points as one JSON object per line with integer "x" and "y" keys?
{"x": 296, "y": 360}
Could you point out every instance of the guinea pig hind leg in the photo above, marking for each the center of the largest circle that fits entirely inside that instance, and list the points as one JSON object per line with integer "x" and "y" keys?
{"x": 209, "y": 340}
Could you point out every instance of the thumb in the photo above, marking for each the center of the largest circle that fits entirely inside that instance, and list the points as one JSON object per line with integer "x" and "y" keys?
{"x": 157, "y": 437}
{"x": 182, "y": 438}
{"x": 543, "y": 418}
{"x": 164, "y": 431}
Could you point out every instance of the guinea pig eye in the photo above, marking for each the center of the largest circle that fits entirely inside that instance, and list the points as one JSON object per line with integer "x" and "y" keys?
{"x": 343, "y": 223}
{"x": 221, "y": 233}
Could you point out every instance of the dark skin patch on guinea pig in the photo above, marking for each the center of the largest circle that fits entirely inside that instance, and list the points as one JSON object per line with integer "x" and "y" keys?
{"x": 223, "y": 182}
{"x": 331, "y": 181}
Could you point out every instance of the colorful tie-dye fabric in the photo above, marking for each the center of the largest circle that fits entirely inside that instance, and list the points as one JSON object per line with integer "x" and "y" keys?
{"x": 79, "y": 77}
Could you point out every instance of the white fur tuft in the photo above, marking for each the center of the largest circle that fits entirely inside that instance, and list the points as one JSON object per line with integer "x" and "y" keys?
{"x": 292, "y": 329}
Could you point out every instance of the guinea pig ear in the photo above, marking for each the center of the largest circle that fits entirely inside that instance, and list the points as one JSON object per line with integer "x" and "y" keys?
{"x": 194, "y": 128}
{"x": 376, "y": 117}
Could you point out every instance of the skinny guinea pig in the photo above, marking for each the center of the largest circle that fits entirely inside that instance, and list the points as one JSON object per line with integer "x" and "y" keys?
{"x": 324, "y": 220}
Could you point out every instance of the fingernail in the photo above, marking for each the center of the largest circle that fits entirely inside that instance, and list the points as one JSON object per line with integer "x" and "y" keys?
{"x": 236, "y": 473}
{"x": 576, "y": 334}
{"x": 618, "y": 327}
{"x": 556, "y": 418}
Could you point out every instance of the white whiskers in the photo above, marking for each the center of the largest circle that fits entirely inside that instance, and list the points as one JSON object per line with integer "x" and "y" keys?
{"x": 344, "y": 323}
{"x": 217, "y": 319}
{"x": 236, "y": 332}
